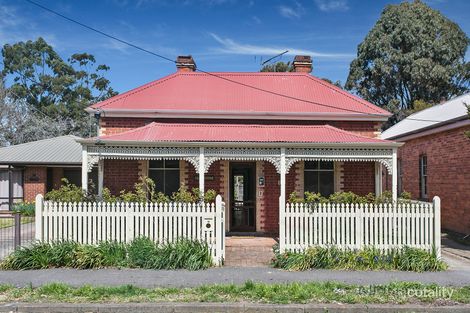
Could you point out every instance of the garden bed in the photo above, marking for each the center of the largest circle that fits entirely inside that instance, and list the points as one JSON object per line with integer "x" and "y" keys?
{"x": 140, "y": 253}
{"x": 405, "y": 259}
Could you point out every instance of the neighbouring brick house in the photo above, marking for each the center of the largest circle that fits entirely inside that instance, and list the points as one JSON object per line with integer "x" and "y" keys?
{"x": 37, "y": 167}
{"x": 435, "y": 159}
{"x": 252, "y": 137}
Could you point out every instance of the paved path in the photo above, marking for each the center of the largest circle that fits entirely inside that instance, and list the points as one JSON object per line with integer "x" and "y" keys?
{"x": 225, "y": 275}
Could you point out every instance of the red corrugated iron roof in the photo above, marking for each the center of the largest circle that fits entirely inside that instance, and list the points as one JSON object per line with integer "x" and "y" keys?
{"x": 169, "y": 132}
{"x": 216, "y": 92}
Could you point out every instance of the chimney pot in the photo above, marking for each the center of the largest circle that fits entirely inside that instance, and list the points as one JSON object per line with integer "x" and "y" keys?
{"x": 302, "y": 63}
{"x": 185, "y": 63}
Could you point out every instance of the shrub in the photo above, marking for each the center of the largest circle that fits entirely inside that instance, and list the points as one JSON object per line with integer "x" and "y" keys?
{"x": 66, "y": 193}
{"x": 144, "y": 191}
{"x": 183, "y": 253}
{"x": 406, "y": 259}
{"x": 140, "y": 253}
{"x": 25, "y": 208}
{"x": 346, "y": 197}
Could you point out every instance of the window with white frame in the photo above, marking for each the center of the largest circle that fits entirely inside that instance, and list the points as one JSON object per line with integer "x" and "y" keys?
{"x": 319, "y": 176}
{"x": 423, "y": 176}
{"x": 166, "y": 175}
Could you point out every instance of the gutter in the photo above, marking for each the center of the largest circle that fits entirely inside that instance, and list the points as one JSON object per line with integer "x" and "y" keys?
{"x": 98, "y": 142}
{"x": 206, "y": 114}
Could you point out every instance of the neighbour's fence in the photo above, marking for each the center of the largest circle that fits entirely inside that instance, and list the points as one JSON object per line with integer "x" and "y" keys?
{"x": 16, "y": 230}
{"x": 355, "y": 226}
{"x": 93, "y": 222}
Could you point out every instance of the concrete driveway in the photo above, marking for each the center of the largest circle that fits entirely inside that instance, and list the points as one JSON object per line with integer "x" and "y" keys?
{"x": 455, "y": 254}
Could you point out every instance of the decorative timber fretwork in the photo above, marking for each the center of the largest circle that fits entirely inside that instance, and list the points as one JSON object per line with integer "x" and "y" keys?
{"x": 213, "y": 154}
{"x": 271, "y": 155}
{"x": 384, "y": 156}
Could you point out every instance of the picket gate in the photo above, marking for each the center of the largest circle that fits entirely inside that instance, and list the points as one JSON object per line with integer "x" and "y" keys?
{"x": 93, "y": 222}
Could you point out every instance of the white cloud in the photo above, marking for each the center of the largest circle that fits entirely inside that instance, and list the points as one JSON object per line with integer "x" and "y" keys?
{"x": 14, "y": 27}
{"x": 288, "y": 12}
{"x": 332, "y": 5}
{"x": 229, "y": 46}
{"x": 256, "y": 20}
{"x": 295, "y": 11}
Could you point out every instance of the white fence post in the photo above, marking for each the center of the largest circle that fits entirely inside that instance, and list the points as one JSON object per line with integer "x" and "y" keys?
{"x": 437, "y": 225}
{"x": 282, "y": 226}
{"x": 38, "y": 218}
{"x": 359, "y": 225}
{"x": 129, "y": 208}
{"x": 219, "y": 229}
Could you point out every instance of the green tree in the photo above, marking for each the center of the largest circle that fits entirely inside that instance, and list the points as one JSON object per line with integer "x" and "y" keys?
{"x": 412, "y": 53}
{"x": 288, "y": 67}
{"x": 60, "y": 89}
{"x": 278, "y": 67}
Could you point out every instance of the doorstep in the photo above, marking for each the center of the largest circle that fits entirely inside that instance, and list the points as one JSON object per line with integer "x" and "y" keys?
{"x": 248, "y": 251}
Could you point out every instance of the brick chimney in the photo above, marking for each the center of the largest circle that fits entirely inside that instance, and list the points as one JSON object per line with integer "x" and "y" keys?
{"x": 303, "y": 63}
{"x": 185, "y": 63}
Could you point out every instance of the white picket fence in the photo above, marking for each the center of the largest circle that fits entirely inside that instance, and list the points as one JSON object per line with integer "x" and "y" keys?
{"x": 93, "y": 222}
{"x": 355, "y": 226}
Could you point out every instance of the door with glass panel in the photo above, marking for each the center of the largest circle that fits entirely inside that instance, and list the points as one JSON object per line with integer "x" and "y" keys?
{"x": 243, "y": 197}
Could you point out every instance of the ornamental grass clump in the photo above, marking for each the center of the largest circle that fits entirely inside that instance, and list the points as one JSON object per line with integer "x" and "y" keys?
{"x": 140, "y": 253}
{"x": 405, "y": 259}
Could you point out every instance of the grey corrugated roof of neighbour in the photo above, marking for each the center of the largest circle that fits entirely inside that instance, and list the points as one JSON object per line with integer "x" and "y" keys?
{"x": 453, "y": 110}
{"x": 54, "y": 151}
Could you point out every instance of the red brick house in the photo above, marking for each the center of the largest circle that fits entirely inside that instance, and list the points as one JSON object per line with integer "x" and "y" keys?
{"x": 37, "y": 167}
{"x": 252, "y": 137}
{"x": 435, "y": 159}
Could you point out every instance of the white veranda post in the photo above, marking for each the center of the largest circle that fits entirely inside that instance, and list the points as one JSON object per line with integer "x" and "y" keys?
{"x": 282, "y": 197}
{"x": 100, "y": 177}
{"x": 394, "y": 175}
{"x": 201, "y": 170}
{"x": 85, "y": 169}
{"x": 378, "y": 178}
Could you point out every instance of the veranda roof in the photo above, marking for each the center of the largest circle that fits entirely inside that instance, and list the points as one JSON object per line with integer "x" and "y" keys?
{"x": 241, "y": 94}
{"x": 63, "y": 150}
{"x": 232, "y": 133}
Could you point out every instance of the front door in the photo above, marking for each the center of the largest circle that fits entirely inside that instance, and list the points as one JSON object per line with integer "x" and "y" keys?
{"x": 243, "y": 197}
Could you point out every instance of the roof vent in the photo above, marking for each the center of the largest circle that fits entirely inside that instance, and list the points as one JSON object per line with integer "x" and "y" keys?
{"x": 303, "y": 63}
{"x": 185, "y": 63}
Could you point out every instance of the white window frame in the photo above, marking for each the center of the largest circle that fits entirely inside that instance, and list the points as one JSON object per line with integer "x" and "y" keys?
{"x": 423, "y": 176}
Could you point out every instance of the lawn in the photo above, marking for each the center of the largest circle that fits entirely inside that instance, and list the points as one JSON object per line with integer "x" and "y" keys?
{"x": 314, "y": 292}
{"x": 8, "y": 222}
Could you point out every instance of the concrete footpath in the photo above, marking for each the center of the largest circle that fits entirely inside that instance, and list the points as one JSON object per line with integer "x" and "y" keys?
{"x": 224, "y": 307}
{"x": 224, "y": 275}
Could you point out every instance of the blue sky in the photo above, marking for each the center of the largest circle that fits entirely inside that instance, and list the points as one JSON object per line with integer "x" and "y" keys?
{"x": 222, "y": 35}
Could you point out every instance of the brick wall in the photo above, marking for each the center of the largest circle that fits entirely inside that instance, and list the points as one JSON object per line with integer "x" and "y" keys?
{"x": 269, "y": 215}
{"x": 34, "y": 182}
{"x": 216, "y": 173}
{"x": 120, "y": 174}
{"x": 358, "y": 177}
{"x": 448, "y": 157}
{"x": 113, "y": 125}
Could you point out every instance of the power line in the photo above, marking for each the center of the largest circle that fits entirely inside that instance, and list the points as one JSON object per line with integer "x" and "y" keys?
{"x": 202, "y": 71}
{"x": 100, "y": 32}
